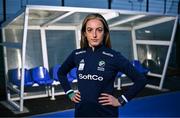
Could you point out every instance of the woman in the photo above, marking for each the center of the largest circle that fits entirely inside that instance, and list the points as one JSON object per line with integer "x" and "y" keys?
{"x": 97, "y": 66}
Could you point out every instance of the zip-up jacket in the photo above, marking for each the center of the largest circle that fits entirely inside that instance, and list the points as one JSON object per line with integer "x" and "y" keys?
{"x": 96, "y": 72}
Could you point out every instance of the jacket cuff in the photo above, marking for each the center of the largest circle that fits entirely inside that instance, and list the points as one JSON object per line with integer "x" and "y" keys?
{"x": 122, "y": 100}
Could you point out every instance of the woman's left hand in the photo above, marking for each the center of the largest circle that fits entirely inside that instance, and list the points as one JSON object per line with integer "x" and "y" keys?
{"x": 107, "y": 99}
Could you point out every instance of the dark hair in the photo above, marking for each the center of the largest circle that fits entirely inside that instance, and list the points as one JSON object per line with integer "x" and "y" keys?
{"x": 106, "y": 40}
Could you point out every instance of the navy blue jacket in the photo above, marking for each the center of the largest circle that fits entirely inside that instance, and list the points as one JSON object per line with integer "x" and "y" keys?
{"x": 96, "y": 72}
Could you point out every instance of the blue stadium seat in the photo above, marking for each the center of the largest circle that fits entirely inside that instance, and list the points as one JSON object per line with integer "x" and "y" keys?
{"x": 137, "y": 64}
{"x": 15, "y": 74}
{"x": 53, "y": 73}
{"x": 41, "y": 76}
{"x": 72, "y": 75}
{"x": 120, "y": 74}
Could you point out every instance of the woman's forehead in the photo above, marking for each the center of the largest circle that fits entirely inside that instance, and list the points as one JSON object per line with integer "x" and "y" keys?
{"x": 94, "y": 23}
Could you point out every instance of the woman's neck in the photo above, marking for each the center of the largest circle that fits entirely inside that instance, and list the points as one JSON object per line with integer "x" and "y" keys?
{"x": 93, "y": 48}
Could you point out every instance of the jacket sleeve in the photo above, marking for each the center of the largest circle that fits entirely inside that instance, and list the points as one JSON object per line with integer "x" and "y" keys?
{"x": 64, "y": 70}
{"x": 139, "y": 80}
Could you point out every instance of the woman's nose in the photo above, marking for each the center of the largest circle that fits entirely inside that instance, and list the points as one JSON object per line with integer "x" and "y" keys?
{"x": 94, "y": 33}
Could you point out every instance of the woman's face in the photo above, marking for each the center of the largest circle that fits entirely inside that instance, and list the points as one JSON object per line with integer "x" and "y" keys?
{"x": 94, "y": 32}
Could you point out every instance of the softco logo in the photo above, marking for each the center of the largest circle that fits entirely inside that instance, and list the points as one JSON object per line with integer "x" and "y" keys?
{"x": 90, "y": 77}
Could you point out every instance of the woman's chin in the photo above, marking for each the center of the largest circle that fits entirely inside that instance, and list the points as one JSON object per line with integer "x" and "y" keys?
{"x": 95, "y": 44}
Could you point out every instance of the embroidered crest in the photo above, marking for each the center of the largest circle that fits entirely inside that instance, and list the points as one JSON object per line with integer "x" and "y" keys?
{"x": 101, "y": 66}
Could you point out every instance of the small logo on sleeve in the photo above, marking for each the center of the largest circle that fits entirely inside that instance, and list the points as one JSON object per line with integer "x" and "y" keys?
{"x": 81, "y": 65}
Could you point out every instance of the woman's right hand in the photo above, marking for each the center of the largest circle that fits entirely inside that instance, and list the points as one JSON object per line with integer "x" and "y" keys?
{"x": 76, "y": 97}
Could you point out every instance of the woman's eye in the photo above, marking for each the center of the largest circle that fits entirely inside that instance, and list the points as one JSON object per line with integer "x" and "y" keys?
{"x": 89, "y": 30}
{"x": 100, "y": 29}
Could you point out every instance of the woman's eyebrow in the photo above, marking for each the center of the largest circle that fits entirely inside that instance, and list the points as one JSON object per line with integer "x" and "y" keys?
{"x": 96, "y": 27}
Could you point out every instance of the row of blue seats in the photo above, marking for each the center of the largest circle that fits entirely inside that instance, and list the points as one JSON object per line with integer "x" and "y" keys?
{"x": 41, "y": 76}
{"x": 38, "y": 75}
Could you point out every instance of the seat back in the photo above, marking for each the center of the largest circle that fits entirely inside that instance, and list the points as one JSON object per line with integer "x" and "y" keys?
{"x": 119, "y": 74}
{"x": 15, "y": 76}
{"x": 72, "y": 75}
{"x": 54, "y": 72}
{"x": 41, "y": 76}
{"x": 139, "y": 67}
